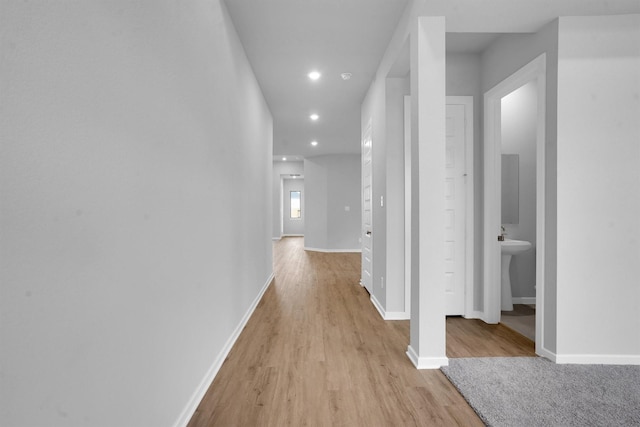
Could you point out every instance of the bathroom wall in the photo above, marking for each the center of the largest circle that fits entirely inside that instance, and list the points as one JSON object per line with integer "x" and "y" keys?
{"x": 519, "y": 121}
{"x": 292, "y": 226}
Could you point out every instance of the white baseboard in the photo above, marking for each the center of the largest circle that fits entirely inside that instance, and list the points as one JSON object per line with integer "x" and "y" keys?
{"x": 286, "y": 235}
{"x": 426, "y": 362}
{"x": 377, "y": 305}
{"x": 524, "y": 300}
{"x": 473, "y": 315}
{"x": 388, "y": 315}
{"x": 199, "y": 393}
{"x": 306, "y": 248}
{"x": 598, "y": 359}
{"x": 590, "y": 359}
{"x": 396, "y": 315}
{"x": 484, "y": 318}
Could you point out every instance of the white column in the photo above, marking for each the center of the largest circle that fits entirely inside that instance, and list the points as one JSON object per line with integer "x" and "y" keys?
{"x": 427, "y": 347}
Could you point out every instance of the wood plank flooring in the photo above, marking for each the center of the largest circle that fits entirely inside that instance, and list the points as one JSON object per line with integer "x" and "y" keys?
{"x": 316, "y": 353}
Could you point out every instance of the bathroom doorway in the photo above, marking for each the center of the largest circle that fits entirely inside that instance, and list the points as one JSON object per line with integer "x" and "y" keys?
{"x": 518, "y": 217}
{"x": 531, "y": 76}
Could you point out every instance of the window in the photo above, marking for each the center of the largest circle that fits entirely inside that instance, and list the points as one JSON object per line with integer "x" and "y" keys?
{"x": 296, "y": 211}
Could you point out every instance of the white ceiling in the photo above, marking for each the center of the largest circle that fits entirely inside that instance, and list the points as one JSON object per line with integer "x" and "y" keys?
{"x": 286, "y": 39}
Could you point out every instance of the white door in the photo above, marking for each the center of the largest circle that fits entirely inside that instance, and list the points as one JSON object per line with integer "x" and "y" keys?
{"x": 367, "y": 225}
{"x": 455, "y": 195}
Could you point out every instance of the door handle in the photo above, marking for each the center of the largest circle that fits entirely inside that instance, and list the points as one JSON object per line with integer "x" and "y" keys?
{"x": 368, "y": 233}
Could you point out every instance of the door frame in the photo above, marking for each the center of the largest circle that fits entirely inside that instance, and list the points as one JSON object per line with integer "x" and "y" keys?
{"x": 366, "y": 235}
{"x": 533, "y": 71}
{"x": 407, "y": 206}
{"x": 467, "y": 102}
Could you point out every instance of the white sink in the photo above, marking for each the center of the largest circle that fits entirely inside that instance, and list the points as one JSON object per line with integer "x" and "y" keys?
{"x": 509, "y": 248}
{"x": 514, "y": 247}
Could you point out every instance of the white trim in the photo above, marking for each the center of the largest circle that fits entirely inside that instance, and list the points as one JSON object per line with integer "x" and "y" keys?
{"x": 377, "y": 305}
{"x": 524, "y": 300}
{"x": 426, "y": 362}
{"x": 407, "y": 205}
{"x": 333, "y": 250}
{"x": 541, "y": 185}
{"x": 467, "y": 102}
{"x": 397, "y": 315}
{"x": 293, "y": 235}
{"x": 202, "y": 388}
{"x": 276, "y": 239}
{"x": 546, "y": 354}
{"x": 281, "y": 204}
{"x": 473, "y": 315}
{"x": 598, "y": 359}
{"x": 534, "y": 70}
{"x": 366, "y": 239}
{"x": 388, "y": 315}
{"x": 491, "y": 264}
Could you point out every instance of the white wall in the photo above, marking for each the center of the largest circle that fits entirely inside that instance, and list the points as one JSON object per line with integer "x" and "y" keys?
{"x": 384, "y": 103}
{"x": 508, "y": 54}
{"x": 293, "y": 226}
{"x": 519, "y": 123}
{"x": 427, "y": 348}
{"x": 396, "y": 89}
{"x": 591, "y": 299}
{"x": 281, "y": 169}
{"x": 374, "y": 108}
{"x": 599, "y": 189}
{"x": 123, "y": 247}
{"x": 332, "y": 184}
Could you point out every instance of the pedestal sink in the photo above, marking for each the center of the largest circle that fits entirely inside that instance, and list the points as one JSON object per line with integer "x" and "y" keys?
{"x": 509, "y": 248}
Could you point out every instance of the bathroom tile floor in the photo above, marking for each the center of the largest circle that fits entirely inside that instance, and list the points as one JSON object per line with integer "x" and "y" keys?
{"x": 522, "y": 320}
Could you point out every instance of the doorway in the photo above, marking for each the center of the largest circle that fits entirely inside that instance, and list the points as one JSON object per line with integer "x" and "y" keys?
{"x": 532, "y": 72}
{"x": 459, "y": 206}
{"x": 293, "y": 212}
{"x": 458, "y": 190}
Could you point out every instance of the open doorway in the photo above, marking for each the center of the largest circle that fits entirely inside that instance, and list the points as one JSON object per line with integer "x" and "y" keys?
{"x": 518, "y": 202}
{"x": 532, "y": 78}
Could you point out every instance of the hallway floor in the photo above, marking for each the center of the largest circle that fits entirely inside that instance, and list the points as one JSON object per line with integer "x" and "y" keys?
{"x": 316, "y": 352}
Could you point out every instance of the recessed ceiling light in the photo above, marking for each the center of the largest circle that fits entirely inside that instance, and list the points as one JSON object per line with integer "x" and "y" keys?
{"x": 314, "y": 116}
{"x": 314, "y": 143}
{"x": 345, "y": 76}
{"x": 284, "y": 159}
{"x": 314, "y": 75}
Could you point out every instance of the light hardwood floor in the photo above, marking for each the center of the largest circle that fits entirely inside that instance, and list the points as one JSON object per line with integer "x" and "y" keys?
{"x": 316, "y": 353}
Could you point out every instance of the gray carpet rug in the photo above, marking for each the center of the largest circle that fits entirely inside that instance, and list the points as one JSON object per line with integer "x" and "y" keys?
{"x": 532, "y": 391}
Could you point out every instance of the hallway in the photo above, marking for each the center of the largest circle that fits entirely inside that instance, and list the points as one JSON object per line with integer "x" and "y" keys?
{"x": 316, "y": 352}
